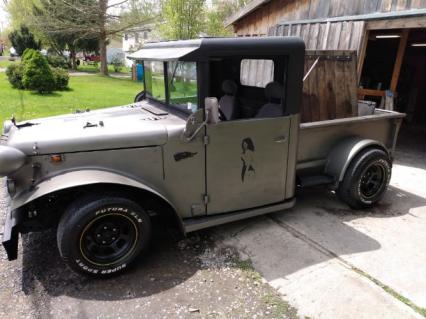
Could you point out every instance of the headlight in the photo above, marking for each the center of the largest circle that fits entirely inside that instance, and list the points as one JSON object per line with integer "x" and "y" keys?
{"x": 11, "y": 159}
{"x": 7, "y": 125}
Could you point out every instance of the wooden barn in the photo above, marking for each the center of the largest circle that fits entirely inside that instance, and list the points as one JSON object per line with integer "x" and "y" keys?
{"x": 387, "y": 38}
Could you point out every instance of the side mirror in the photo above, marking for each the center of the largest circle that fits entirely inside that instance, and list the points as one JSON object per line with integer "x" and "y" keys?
{"x": 194, "y": 124}
{"x": 212, "y": 110}
{"x": 140, "y": 96}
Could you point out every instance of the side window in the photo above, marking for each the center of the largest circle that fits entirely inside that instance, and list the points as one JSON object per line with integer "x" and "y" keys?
{"x": 182, "y": 77}
{"x": 256, "y": 72}
{"x": 154, "y": 80}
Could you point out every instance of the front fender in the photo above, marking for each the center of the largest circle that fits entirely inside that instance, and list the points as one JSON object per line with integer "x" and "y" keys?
{"x": 78, "y": 178}
{"x": 344, "y": 152}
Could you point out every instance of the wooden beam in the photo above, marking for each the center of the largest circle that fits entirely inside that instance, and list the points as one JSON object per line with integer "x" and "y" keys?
{"x": 400, "y": 23}
{"x": 362, "y": 51}
{"x": 369, "y": 92}
{"x": 399, "y": 58}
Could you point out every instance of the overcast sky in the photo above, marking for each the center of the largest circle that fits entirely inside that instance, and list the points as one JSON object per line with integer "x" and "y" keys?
{"x": 3, "y": 17}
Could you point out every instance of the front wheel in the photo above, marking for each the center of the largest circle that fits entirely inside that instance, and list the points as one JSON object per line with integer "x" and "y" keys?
{"x": 366, "y": 179}
{"x": 101, "y": 236}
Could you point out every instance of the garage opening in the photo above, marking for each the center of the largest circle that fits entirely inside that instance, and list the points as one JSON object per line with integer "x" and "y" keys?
{"x": 394, "y": 73}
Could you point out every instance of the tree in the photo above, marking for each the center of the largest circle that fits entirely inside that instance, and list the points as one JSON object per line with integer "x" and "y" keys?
{"x": 91, "y": 19}
{"x": 23, "y": 39}
{"x": 217, "y": 15}
{"x": 20, "y": 12}
{"x": 182, "y": 19}
{"x": 46, "y": 16}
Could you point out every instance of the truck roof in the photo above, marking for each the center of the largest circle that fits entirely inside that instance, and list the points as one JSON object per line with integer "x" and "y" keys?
{"x": 207, "y": 48}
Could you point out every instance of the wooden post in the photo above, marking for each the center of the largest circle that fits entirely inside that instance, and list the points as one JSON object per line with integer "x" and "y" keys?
{"x": 399, "y": 58}
{"x": 362, "y": 51}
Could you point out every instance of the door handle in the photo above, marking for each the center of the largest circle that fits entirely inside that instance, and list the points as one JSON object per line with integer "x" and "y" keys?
{"x": 280, "y": 139}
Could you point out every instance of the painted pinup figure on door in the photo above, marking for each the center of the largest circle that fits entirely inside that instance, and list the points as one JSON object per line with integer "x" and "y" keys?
{"x": 247, "y": 157}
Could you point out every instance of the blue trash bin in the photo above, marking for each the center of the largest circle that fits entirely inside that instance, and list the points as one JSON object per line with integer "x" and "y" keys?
{"x": 139, "y": 72}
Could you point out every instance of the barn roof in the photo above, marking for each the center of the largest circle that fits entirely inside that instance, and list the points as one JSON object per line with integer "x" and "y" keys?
{"x": 249, "y": 8}
{"x": 256, "y": 4}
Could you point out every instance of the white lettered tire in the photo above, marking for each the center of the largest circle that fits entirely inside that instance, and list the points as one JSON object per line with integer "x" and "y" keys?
{"x": 101, "y": 235}
{"x": 366, "y": 179}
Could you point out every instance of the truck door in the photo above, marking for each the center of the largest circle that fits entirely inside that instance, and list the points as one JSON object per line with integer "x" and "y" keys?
{"x": 246, "y": 163}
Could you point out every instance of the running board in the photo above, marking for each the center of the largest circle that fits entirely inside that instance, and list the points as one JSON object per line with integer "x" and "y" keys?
{"x": 316, "y": 180}
{"x": 193, "y": 224}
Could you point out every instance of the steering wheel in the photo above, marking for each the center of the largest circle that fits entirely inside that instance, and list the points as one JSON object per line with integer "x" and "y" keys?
{"x": 222, "y": 116}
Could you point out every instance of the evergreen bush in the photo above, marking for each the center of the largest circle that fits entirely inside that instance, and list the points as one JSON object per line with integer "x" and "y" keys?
{"x": 61, "y": 78}
{"x": 37, "y": 73}
{"x": 14, "y": 73}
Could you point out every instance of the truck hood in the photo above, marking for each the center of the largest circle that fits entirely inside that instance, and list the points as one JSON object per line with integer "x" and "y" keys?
{"x": 112, "y": 128}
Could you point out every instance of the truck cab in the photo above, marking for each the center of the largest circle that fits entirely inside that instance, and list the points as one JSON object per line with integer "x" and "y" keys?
{"x": 241, "y": 160}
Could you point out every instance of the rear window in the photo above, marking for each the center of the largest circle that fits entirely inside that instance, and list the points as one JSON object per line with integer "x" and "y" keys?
{"x": 256, "y": 72}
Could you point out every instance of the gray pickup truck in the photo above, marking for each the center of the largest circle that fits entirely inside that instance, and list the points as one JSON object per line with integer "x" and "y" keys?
{"x": 209, "y": 141}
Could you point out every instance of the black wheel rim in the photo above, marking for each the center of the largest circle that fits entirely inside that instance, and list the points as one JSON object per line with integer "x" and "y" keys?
{"x": 373, "y": 180}
{"x": 108, "y": 239}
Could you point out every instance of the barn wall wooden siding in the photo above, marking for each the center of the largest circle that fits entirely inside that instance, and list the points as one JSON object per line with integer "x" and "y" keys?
{"x": 284, "y": 11}
{"x": 330, "y": 90}
{"x": 343, "y": 35}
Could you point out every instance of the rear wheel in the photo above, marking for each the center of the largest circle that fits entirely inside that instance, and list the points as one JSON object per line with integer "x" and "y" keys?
{"x": 100, "y": 235}
{"x": 366, "y": 179}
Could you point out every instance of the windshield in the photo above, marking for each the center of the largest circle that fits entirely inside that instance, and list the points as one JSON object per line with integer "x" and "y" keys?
{"x": 182, "y": 83}
{"x": 154, "y": 80}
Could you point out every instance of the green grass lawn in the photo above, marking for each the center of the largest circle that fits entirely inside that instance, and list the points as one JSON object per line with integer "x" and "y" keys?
{"x": 95, "y": 68}
{"x": 91, "y": 92}
{"x": 82, "y": 68}
{"x": 5, "y": 63}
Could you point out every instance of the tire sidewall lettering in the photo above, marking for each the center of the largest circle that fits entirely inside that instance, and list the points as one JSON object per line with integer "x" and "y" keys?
{"x": 95, "y": 271}
{"x": 119, "y": 210}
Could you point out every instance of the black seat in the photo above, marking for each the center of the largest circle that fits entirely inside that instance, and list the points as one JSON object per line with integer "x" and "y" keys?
{"x": 274, "y": 92}
{"x": 228, "y": 102}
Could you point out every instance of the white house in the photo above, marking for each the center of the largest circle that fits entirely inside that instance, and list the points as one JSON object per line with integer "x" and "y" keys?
{"x": 135, "y": 38}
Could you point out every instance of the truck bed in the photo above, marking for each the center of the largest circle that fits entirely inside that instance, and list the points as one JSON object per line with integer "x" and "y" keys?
{"x": 317, "y": 139}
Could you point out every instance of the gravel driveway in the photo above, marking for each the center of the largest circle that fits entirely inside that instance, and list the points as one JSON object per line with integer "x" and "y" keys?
{"x": 193, "y": 278}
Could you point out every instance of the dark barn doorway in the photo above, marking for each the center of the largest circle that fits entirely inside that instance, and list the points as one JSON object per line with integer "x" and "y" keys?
{"x": 412, "y": 81}
{"x": 395, "y": 65}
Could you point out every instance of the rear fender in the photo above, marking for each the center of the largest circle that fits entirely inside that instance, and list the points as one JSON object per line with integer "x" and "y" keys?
{"x": 344, "y": 152}
{"x": 81, "y": 178}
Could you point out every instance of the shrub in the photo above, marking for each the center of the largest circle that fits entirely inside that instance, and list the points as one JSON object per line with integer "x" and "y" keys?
{"x": 14, "y": 73}
{"x": 57, "y": 61}
{"x": 22, "y": 39}
{"x": 117, "y": 61}
{"x": 37, "y": 74}
{"x": 61, "y": 78}
{"x": 27, "y": 55}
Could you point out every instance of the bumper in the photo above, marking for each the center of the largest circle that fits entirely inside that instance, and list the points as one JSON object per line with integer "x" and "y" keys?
{"x": 10, "y": 234}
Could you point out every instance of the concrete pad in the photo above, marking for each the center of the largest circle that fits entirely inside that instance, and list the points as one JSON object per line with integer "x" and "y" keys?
{"x": 317, "y": 285}
{"x": 394, "y": 251}
{"x": 307, "y": 252}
